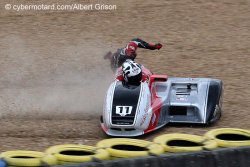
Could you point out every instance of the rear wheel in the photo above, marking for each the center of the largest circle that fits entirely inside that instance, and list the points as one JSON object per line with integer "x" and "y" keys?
{"x": 217, "y": 115}
{"x": 214, "y": 101}
{"x": 217, "y": 112}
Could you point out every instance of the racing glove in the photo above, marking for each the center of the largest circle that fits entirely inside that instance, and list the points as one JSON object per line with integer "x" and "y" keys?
{"x": 158, "y": 46}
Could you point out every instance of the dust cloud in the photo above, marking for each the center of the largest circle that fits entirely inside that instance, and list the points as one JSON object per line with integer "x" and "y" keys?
{"x": 67, "y": 81}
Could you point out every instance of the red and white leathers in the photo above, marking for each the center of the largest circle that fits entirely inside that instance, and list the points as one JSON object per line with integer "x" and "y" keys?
{"x": 146, "y": 73}
{"x": 129, "y": 52}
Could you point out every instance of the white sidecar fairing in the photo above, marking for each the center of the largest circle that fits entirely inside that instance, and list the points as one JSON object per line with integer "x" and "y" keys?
{"x": 135, "y": 110}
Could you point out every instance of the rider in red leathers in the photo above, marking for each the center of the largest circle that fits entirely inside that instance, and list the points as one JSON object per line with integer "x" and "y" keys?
{"x": 129, "y": 52}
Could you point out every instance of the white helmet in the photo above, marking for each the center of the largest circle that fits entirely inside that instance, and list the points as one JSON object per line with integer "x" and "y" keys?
{"x": 132, "y": 72}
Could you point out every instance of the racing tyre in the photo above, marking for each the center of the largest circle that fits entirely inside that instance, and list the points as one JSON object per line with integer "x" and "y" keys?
{"x": 217, "y": 113}
{"x": 177, "y": 142}
{"x": 72, "y": 153}
{"x": 214, "y": 102}
{"x": 125, "y": 148}
{"x": 28, "y": 158}
{"x": 229, "y": 137}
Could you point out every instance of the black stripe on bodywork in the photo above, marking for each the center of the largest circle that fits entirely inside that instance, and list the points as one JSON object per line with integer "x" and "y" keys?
{"x": 125, "y": 96}
{"x": 214, "y": 95}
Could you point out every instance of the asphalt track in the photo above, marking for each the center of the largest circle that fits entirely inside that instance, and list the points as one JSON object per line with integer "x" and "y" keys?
{"x": 53, "y": 78}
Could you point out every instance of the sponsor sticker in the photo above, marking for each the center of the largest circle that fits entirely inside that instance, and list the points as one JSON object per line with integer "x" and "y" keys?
{"x": 153, "y": 119}
{"x": 182, "y": 98}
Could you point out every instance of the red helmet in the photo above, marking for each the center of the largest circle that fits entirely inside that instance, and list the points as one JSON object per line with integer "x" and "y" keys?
{"x": 131, "y": 49}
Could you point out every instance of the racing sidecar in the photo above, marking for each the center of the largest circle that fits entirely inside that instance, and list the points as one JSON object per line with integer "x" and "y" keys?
{"x": 131, "y": 110}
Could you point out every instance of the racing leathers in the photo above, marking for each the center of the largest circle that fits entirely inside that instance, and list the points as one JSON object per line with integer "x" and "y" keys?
{"x": 129, "y": 52}
{"x": 146, "y": 73}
